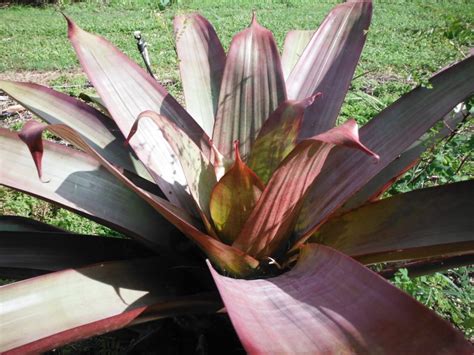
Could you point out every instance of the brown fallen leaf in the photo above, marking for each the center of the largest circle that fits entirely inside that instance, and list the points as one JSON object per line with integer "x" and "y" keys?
{"x": 15, "y": 109}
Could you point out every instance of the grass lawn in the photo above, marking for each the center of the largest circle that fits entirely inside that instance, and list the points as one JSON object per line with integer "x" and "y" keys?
{"x": 407, "y": 43}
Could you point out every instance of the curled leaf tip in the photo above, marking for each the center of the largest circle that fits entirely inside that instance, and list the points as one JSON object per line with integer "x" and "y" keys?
{"x": 31, "y": 135}
{"x": 310, "y": 99}
{"x": 134, "y": 127}
{"x": 352, "y": 125}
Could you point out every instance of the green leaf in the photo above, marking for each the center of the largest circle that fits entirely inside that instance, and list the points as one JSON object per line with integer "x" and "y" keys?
{"x": 233, "y": 198}
{"x": 424, "y": 223}
{"x": 278, "y": 137}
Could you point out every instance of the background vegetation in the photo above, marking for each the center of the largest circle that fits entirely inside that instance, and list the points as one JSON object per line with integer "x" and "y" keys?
{"x": 407, "y": 42}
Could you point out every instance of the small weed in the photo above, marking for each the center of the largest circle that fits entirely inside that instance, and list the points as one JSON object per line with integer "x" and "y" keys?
{"x": 450, "y": 294}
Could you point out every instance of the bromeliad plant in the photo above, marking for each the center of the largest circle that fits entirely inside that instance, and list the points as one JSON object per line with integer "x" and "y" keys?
{"x": 255, "y": 174}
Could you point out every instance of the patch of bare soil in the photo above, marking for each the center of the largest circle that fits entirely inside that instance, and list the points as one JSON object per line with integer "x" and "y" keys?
{"x": 39, "y": 77}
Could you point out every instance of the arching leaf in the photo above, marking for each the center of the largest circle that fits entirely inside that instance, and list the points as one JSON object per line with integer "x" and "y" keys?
{"x": 48, "y": 311}
{"x": 230, "y": 259}
{"x": 199, "y": 172}
{"x": 97, "y": 129}
{"x": 78, "y": 182}
{"x": 127, "y": 91}
{"x": 385, "y": 178}
{"x": 272, "y": 219}
{"x": 419, "y": 224}
{"x": 330, "y": 304}
{"x": 54, "y": 251}
{"x": 389, "y": 134}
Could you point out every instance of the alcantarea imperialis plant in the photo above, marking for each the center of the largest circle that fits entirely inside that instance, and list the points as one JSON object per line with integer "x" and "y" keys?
{"x": 278, "y": 200}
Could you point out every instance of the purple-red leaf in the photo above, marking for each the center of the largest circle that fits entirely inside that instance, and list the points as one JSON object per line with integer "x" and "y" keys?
{"x": 199, "y": 172}
{"x": 388, "y": 134}
{"x": 405, "y": 161}
{"x": 424, "y": 223}
{"x": 77, "y": 182}
{"x": 330, "y": 304}
{"x": 252, "y": 88}
{"x": 97, "y": 129}
{"x": 48, "y": 311}
{"x": 127, "y": 91}
{"x": 230, "y": 259}
{"x": 41, "y": 252}
{"x": 201, "y": 63}
{"x": 272, "y": 220}
{"x": 277, "y": 137}
{"x": 295, "y": 43}
{"x": 29, "y": 135}
{"x": 327, "y": 64}
{"x": 233, "y": 198}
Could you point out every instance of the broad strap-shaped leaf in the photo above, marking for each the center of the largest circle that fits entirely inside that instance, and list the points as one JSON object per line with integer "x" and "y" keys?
{"x": 272, "y": 219}
{"x": 230, "y": 259}
{"x": 428, "y": 266}
{"x": 330, "y": 304}
{"x": 233, "y": 198}
{"x": 97, "y": 129}
{"x": 77, "y": 182}
{"x": 96, "y": 100}
{"x": 127, "y": 90}
{"x": 277, "y": 137}
{"x": 389, "y": 134}
{"x": 252, "y": 88}
{"x": 295, "y": 43}
{"x": 46, "y": 312}
{"x": 199, "y": 172}
{"x": 328, "y": 63}
{"x": 54, "y": 251}
{"x": 10, "y": 223}
{"x": 405, "y": 161}
{"x": 424, "y": 223}
{"x": 201, "y": 63}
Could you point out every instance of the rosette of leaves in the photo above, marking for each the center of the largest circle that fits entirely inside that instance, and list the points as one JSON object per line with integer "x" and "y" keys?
{"x": 281, "y": 203}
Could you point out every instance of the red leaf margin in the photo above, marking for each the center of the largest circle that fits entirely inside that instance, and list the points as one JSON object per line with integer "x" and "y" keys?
{"x": 227, "y": 257}
{"x": 327, "y": 304}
